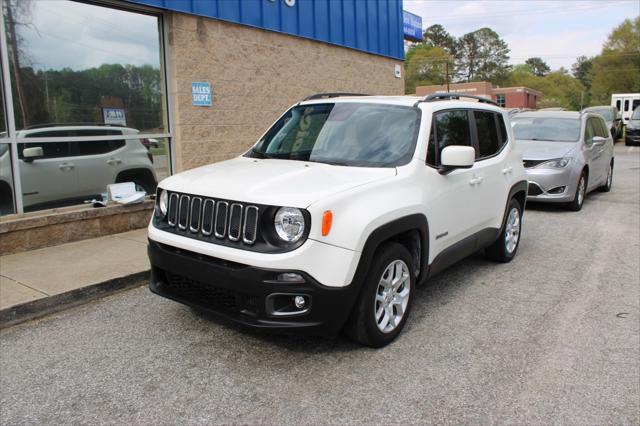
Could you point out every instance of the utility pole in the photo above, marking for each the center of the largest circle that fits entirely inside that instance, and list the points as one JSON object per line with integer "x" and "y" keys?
{"x": 447, "y": 67}
{"x": 11, "y": 27}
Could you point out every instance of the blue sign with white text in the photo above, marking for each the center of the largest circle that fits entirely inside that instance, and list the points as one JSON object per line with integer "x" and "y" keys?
{"x": 412, "y": 25}
{"x": 200, "y": 93}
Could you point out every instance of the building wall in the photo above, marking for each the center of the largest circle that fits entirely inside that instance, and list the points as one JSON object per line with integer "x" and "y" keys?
{"x": 255, "y": 76}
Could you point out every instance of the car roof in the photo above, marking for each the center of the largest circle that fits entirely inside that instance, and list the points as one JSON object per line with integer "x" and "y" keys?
{"x": 597, "y": 107}
{"x": 407, "y": 100}
{"x": 50, "y": 128}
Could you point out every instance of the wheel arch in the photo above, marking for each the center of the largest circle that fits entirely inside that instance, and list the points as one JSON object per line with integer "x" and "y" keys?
{"x": 130, "y": 174}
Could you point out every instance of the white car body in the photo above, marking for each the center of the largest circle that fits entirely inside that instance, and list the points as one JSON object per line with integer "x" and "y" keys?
{"x": 82, "y": 171}
{"x": 461, "y": 207}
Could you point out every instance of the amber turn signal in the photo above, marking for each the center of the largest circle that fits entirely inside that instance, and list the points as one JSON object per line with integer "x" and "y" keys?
{"x": 327, "y": 218}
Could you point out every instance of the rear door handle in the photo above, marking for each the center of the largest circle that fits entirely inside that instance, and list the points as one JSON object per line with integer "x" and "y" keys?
{"x": 66, "y": 166}
{"x": 507, "y": 170}
{"x": 114, "y": 161}
{"x": 475, "y": 180}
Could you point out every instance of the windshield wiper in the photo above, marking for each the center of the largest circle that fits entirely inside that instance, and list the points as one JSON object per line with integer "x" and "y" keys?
{"x": 261, "y": 154}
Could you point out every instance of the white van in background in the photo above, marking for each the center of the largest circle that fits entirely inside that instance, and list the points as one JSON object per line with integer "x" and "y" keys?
{"x": 626, "y": 104}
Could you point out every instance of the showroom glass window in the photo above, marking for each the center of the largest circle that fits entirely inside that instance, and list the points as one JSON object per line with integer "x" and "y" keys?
{"x": 86, "y": 70}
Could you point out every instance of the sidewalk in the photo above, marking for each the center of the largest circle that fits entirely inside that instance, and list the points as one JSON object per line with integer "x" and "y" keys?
{"x": 38, "y": 282}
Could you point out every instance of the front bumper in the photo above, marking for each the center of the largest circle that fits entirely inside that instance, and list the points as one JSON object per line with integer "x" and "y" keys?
{"x": 545, "y": 185}
{"x": 632, "y": 136}
{"x": 246, "y": 294}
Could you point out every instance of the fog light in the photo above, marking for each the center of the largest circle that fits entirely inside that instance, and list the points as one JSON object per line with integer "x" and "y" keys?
{"x": 300, "y": 302}
{"x": 290, "y": 277}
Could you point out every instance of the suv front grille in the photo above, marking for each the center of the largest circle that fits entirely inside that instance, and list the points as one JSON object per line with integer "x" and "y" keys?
{"x": 211, "y": 219}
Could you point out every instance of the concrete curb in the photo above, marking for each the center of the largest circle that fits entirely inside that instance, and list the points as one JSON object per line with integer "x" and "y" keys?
{"x": 52, "y": 304}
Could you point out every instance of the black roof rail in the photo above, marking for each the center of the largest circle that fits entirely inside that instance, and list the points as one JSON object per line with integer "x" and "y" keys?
{"x": 43, "y": 125}
{"x": 331, "y": 95}
{"x": 448, "y": 96}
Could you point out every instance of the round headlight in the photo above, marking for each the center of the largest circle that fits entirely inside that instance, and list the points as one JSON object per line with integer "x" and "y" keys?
{"x": 163, "y": 203}
{"x": 289, "y": 224}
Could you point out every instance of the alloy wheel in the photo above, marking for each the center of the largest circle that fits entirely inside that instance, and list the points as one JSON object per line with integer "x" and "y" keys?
{"x": 392, "y": 296}
{"x": 581, "y": 190}
{"x": 512, "y": 230}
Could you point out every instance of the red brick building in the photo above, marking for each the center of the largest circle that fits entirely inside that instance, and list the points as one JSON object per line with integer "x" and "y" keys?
{"x": 507, "y": 97}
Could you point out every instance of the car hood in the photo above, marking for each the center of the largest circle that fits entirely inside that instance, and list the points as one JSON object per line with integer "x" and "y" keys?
{"x": 272, "y": 181}
{"x": 542, "y": 150}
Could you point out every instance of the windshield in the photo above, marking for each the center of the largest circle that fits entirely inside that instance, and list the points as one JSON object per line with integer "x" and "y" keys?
{"x": 605, "y": 112}
{"x": 348, "y": 134}
{"x": 546, "y": 129}
{"x": 636, "y": 114}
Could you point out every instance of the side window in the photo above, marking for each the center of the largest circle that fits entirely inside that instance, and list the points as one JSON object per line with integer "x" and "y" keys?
{"x": 49, "y": 149}
{"x": 590, "y": 130}
{"x": 635, "y": 104}
{"x": 487, "y": 130}
{"x": 604, "y": 131}
{"x": 504, "y": 136}
{"x": 626, "y": 105}
{"x": 97, "y": 147}
{"x": 618, "y": 105}
{"x": 450, "y": 128}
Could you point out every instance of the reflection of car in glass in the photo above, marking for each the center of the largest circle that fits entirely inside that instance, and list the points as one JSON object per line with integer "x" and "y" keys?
{"x": 632, "y": 130}
{"x": 611, "y": 115}
{"x": 338, "y": 211}
{"x": 565, "y": 154}
{"x": 63, "y": 173}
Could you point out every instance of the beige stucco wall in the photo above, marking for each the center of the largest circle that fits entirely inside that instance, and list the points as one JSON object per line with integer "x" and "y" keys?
{"x": 255, "y": 76}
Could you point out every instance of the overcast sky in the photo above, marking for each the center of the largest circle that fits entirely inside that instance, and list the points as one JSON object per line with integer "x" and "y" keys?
{"x": 556, "y": 31}
{"x": 74, "y": 35}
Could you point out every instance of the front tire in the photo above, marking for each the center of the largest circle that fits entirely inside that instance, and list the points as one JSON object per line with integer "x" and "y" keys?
{"x": 580, "y": 195}
{"x": 505, "y": 247}
{"x": 609, "y": 182}
{"x": 385, "y": 300}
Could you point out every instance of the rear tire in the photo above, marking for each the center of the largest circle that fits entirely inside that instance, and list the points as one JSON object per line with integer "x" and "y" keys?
{"x": 580, "y": 195}
{"x": 384, "y": 303}
{"x": 505, "y": 247}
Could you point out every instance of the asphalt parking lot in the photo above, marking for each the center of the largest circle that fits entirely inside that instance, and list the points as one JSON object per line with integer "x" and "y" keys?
{"x": 552, "y": 337}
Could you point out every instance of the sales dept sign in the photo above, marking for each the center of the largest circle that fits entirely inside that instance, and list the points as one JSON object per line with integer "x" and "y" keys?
{"x": 200, "y": 93}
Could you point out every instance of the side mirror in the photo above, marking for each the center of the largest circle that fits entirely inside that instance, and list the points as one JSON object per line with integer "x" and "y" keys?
{"x": 598, "y": 140}
{"x": 30, "y": 154}
{"x": 456, "y": 157}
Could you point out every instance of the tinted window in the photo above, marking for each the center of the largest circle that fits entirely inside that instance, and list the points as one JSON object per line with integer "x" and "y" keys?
{"x": 635, "y": 104}
{"x": 49, "y": 149}
{"x": 618, "y": 105}
{"x": 590, "y": 130}
{"x": 354, "y": 134}
{"x": 450, "y": 128}
{"x": 503, "y": 129}
{"x": 607, "y": 113}
{"x": 626, "y": 105}
{"x": 636, "y": 114}
{"x": 97, "y": 147}
{"x": 488, "y": 142}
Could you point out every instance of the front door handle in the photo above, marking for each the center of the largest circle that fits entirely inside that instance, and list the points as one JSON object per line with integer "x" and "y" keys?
{"x": 114, "y": 161}
{"x": 507, "y": 170}
{"x": 66, "y": 167}
{"x": 475, "y": 180}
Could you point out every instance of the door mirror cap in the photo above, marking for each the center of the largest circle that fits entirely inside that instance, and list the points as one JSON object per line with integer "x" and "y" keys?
{"x": 456, "y": 157}
{"x": 598, "y": 140}
{"x": 30, "y": 154}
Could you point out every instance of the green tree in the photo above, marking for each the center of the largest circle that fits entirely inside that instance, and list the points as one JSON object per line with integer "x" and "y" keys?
{"x": 538, "y": 66}
{"x": 558, "y": 88}
{"x": 426, "y": 65}
{"x": 482, "y": 55}
{"x": 437, "y": 36}
{"x": 581, "y": 70}
{"x": 617, "y": 68}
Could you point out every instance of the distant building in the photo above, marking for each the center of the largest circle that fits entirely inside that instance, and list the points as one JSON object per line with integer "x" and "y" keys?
{"x": 508, "y": 97}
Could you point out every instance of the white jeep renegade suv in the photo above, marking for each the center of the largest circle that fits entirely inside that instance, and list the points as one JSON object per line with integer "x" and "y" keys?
{"x": 338, "y": 211}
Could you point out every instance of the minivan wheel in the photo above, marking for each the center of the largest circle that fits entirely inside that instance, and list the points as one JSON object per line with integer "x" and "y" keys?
{"x": 580, "y": 195}
{"x": 385, "y": 300}
{"x": 505, "y": 247}
{"x": 609, "y": 182}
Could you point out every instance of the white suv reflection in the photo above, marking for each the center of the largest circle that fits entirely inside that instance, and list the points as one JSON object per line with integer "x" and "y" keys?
{"x": 54, "y": 174}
